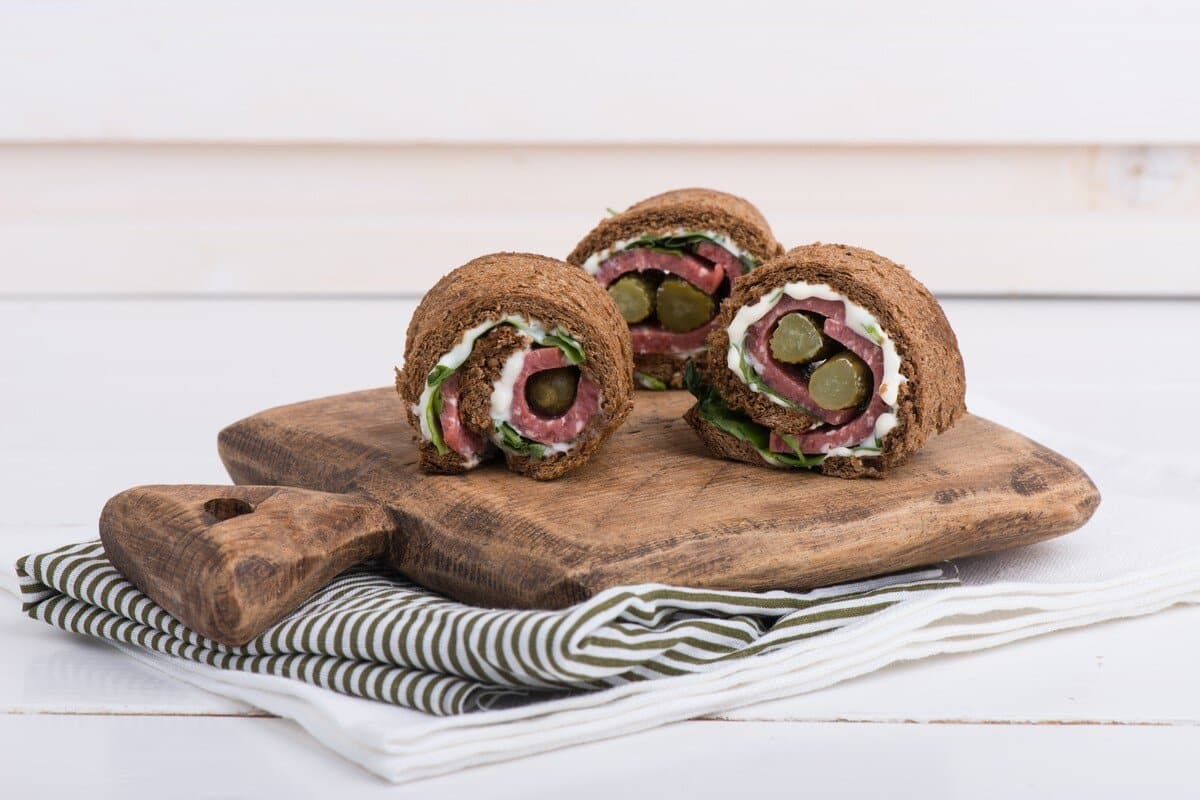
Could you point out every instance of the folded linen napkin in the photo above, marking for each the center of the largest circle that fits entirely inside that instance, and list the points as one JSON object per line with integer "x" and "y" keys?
{"x": 1139, "y": 554}
{"x": 372, "y": 634}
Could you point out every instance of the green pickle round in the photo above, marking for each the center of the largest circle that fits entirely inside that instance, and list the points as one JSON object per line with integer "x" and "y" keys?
{"x": 798, "y": 339}
{"x": 843, "y": 381}
{"x": 634, "y": 296}
{"x": 682, "y": 307}
{"x": 551, "y": 392}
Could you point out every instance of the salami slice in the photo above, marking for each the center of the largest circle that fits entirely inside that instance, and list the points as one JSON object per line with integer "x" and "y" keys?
{"x": 566, "y": 426}
{"x": 656, "y": 339}
{"x": 458, "y": 437}
{"x": 706, "y": 277}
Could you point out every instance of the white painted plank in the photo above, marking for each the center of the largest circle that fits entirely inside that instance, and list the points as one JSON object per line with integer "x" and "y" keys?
{"x": 355, "y": 220}
{"x": 43, "y": 670}
{"x": 1131, "y": 671}
{"x": 139, "y": 758}
{"x": 118, "y": 394}
{"x": 1093, "y": 255}
{"x": 470, "y": 70}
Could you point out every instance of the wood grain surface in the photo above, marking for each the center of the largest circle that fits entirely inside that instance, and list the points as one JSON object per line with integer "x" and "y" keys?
{"x": 652, "y": 506}
{"x": 230, "y": 561}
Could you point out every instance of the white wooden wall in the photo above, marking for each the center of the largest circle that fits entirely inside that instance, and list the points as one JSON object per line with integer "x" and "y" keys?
{"x": 367, "y": 147}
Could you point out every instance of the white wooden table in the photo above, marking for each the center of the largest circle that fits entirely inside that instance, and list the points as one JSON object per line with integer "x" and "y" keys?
{"x": 101, "y": 395}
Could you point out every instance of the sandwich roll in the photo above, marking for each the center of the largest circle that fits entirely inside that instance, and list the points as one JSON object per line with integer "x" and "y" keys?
{"x": 517, "y": 355}
{"x": 667, "y": 262}
{"x": 830, "y": 358}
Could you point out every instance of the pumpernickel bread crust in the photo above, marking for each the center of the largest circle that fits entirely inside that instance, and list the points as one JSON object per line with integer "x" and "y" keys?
{"x": 691, "y": 209}
{"x": 662, "y": 367}
{"x": 928, "y": 403}
{"x": 481, "y": 370}
{"x": 535, "y": 287}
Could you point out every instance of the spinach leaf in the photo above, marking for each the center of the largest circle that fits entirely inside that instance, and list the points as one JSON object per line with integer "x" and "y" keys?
{"x": 755, "y": 381}
{"x": 675, "y": 243}
{"x": 797, "y": 458}
{"x": 874, "y": 332}
{"x": 649, "y": 382}
{"x": 516, "y": 443}
{"x": 565, "y": 342}
{"x": 437, "y": 376}
{"x": 716, "y": 412}
{"x": 432, "y": 412}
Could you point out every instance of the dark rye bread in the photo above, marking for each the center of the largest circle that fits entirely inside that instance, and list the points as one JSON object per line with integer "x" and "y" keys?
{"x": 482, "y": 370}
{"x": 693, "y": 209}
{"x": 929, "y": 402}
{"x": 661, "y": 366}
{"x": 535, "y": 287}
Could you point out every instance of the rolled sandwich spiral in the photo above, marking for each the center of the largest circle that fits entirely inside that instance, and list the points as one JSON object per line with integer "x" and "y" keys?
{"x": 515, "y": 354}
{"x": 668, "y": 261}
{"x": 830, "y": 358}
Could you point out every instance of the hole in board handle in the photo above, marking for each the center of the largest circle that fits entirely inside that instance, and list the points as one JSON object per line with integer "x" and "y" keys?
{"x": 224, "y": 508}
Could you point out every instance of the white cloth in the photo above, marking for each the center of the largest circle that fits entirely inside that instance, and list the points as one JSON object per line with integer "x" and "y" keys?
{"x": 1139, "y": 554}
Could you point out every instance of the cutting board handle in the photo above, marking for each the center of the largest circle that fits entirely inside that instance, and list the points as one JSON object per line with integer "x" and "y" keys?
{"x": 230, "y": 561}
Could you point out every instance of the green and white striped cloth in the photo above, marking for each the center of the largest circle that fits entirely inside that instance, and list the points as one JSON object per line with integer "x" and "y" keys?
{"x": 370, "y": 633}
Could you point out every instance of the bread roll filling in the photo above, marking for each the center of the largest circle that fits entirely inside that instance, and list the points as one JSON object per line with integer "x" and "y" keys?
{"x": 517, "y": 425}
{"x": 663, "y": 316}
{"x": 855, "y": 337}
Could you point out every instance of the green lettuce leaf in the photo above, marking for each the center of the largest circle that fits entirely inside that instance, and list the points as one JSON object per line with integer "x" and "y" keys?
{"x": 514, "y": 442}
{"x": 713, "y": 409}
{"x": 649, "y": 382}
{"x": 437, "y": 376}
{"x": 565, "y": 342}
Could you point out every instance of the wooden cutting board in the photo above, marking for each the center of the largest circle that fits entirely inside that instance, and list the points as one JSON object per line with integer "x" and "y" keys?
{"x": 653, "y": 506}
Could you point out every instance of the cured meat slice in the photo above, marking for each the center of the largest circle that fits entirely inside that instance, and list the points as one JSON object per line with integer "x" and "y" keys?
{"x": 566, "y": 426}
{"x": 654, "y": 339}
{"x": 459, "y": 438}
{"x": 704, "y": 276}
{"x": 730, "y": 264}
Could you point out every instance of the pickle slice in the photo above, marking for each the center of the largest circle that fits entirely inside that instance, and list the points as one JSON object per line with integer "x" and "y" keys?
{"x": 634, "y": 296}
{"x": 843, "y": 381}
{"x": 551, "y": 392}
{"x": 682, "y": 307}
{"x": 798, "y": 339}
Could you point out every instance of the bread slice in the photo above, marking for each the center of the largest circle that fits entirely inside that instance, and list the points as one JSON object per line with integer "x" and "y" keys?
{"x": 533, "y": 287}
{"x": 931, "y": 400}
{"x": 692, "y": 209}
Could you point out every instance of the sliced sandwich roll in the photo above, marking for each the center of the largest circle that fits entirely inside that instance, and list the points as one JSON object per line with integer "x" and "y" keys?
{"x": 830, "y": 358}
{"x": 667, "y": 262}
{"x": 517, "y": 355}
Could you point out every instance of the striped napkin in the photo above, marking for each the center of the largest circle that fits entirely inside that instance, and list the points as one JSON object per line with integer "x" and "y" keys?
{"x": 372, "y": 634}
